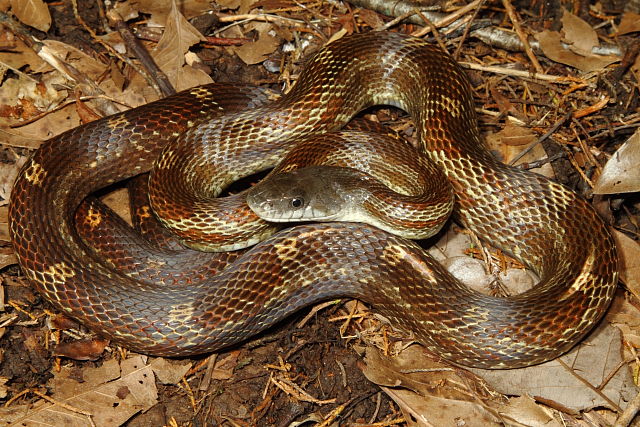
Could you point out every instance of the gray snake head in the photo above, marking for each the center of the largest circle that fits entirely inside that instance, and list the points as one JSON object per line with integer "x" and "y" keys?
{"x": 312, "y": 193}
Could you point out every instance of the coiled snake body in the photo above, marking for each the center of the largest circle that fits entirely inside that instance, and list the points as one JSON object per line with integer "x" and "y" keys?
{"x": 547, "y": 226}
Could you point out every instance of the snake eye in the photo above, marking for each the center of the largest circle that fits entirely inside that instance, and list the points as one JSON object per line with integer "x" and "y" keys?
{"x": 297, "y": 202}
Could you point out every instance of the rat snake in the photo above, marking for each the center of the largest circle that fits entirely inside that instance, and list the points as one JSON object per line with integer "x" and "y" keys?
{"x": 545, "y": 225}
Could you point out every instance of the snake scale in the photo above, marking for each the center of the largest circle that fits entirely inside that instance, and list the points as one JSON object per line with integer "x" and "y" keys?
{"x": 545, "y": 225}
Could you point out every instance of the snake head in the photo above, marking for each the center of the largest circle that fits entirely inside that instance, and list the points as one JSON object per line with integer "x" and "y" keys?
{"x": 313, "y": 193}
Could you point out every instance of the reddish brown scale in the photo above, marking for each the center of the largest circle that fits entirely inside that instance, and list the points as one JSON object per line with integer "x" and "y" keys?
{"x": 571, "y": 249}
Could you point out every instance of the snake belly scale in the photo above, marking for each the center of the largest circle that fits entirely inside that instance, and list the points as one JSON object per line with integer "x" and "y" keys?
{"x": 548, "y": 227}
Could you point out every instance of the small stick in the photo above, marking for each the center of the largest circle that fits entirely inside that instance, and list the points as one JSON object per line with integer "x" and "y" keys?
{"x": 523, "y": 37}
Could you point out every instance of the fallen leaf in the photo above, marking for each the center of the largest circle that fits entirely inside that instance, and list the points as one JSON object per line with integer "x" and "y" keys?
{"x": 257, "y": 51}
{"x": 33, "y": 13}
{"x": 8, "y": 174}
{"x": 579, "y": 34}
{"x": 371, "y": 18}
{"x": 630, "y": 23}
{"x": 118, "y": 201}
{"x": 621, "y": 173}
{"x": 159, "y": 10}
{"x": 592, "y": 361}
{"x": 553, "y": 49}
{"x": 170, "y": 371}
{"x": 510, "y": 141}
{"x": 3, "y": 387}
{"x": 629, "y": 255}
{"x": 625, "y": 316}
{"x": 20, "y": 55}
{"x": 7, "y": 257}
{"x": 419, "y": 411}
{"x": 87, "y": 349}
{"x": 428, "y": 393}
{"x": 179, "y": 35}
{"x": 110, "y": 395}
{"x": 527, "y": 412}
{"x": 32, "y": 134}
{"x": 77, "y": 58}
{"x": 514, "y": 135}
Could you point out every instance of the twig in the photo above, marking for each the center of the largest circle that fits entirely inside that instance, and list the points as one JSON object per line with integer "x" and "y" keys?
{"x": 523, "y": 37}
{"x": 519, "y": 73}
{"x": 547, "y": 134}
{"x": 629, "y": 413}
{"x": 433, "y": 29}
{"x": 451, "y": 18}
{"x": 539, "y": 163}
{"x": 467, "y": 29}
{"x": 614, "y": 406}
{"x": 156, "y": 78}
{"x": 395, "y": 21}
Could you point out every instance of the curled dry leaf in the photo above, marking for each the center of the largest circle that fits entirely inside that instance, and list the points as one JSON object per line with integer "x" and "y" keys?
{"x": 510, "y": 141}
{"x": 89, "y": 349}
{"x": 551, "y": 45}
{"x": 3, "y": 387}
{"x": 621, "y": 173}
{"x": 179, "y": 35}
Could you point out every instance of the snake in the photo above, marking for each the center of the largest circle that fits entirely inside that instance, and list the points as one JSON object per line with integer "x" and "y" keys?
{"x": 201, "y": 133}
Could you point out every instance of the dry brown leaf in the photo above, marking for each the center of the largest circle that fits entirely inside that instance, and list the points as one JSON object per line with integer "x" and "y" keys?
{"x": 169, "y": 371}
{"x": 160, "y": 9}
{"x": 3, "y": 387}
{"x": 179, "y": 35}
{"x": 429, "y": 393}
{"x": 626, "y": 317}
{"x": 510, "y": 141}
{"x": 371, "y": 18}
{"x": 32, "y": 134}
{"x": 28, "y": 97}
{"x": 514, "y": 135}
{"x": 629, "y": 254}
{"x": 419, "y": 411}
{"x": 630, "y": 23}
{"x": 621, "y": 173}
{"x": 87, "y": 349}
{"x": 224, "y": 368}
{"x": 527, "y": 412}
{"x": 33, "y": 13}
{"x": 578, "y": 34}
{"x": 118, "y": 201}
{"x": 77, "y": 58}
{"x": 257, "y": 51}
{"x": 111, "y": 394}
{"x": 4, "y": 224}
{"x": 8, "y": 174}
{"x": 553, "y": 49}
{"x": 593, "y": 360}
{"x": 7, "y": 257}
{"x": 20, "y": 55}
